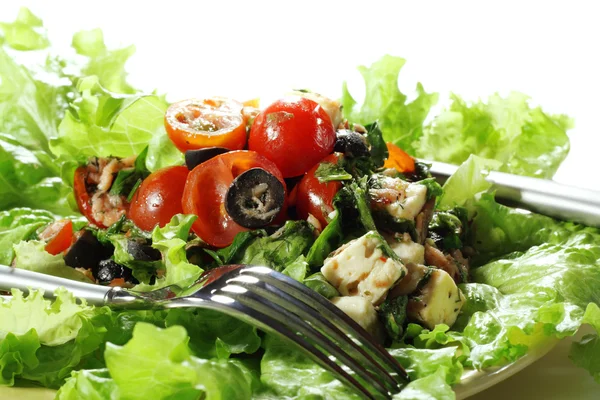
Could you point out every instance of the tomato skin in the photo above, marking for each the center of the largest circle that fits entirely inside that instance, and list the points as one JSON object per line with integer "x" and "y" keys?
{"x": 315, "y": 197}
{"x": 206, "y": 188}
{"x": 158, "y": 198}
{"x": 83, "y": 198}
{"x": 213, "y": 274}
{"x": 294, "y": 133}
{"x": 58, "y": 236}
{"x": 224, "y": 115}
{"x": 399, "y": 159}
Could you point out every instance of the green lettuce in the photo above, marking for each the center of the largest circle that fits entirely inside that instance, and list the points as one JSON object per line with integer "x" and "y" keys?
{"x": 44, "y": 341}
{"x": 400, "y": 121}
{"x": 525, "y": 139}
{"x": 158, "y": 363}
{"x": 171, "y": 241}
{"x": 103, "y": 123}
{"x": 30, "y": 255}
{"x": 19, "y": 224}
{"x": 25, "y": 33}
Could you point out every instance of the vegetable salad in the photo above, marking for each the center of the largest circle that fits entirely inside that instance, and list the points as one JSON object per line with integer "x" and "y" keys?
{"x": 107, "y": 185}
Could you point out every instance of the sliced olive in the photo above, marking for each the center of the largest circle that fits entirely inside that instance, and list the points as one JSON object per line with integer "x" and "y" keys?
{"x": 254, "y": 198}
{"x": 87, "y": 252}
{"x": 108, "y": 270}
{"x": 351, "y": 143}
{"x": 142, "y": 252}
{"x": 194, "y": 158}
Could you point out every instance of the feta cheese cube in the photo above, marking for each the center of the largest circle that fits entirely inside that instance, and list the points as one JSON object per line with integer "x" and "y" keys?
{"x": 399, "y": 198}
{"x": 406, "y": 249}
{"x": 360, "y": 268}
{"x": 362, "y": 311}
{"x": 438, "y": 302}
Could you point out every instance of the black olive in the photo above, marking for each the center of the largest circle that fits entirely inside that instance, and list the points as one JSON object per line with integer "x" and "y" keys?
{"x": 254, "y": 198}
{"x": 142, "y": 252}
{"x": 87, "y": 252}
{"x": 109, "y": 269}
{"x": 351, "y": 143}
{"x": 194, "y": 158}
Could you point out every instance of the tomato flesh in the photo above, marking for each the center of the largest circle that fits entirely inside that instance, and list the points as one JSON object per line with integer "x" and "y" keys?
{"x": 158, "y": 198}
{"x": 205, "y": 190}
{"x": 83, "y": 198}
{"x": 215, "y": 122}
{"x": 315, "y": 197}
{"x": 294, "y": 133}
{"x": 399, "y": 159}
{"x": 58, "y": 236}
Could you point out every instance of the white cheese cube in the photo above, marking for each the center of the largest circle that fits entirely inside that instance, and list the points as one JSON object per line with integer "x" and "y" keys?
{"x": 360, "y": 268}
{"x": 406, "y": 249}
{"x": 439, "y": 301}
{"x": 362, "y": 311}
{"x": 415, "y": 196}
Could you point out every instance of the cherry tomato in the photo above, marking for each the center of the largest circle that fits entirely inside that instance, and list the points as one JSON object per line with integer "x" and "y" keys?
{"x": 315, "y": 197}
{"x": 399, "y": 159}
{"x": 215, "y": 122}
{"x": 213, "y": 274}
{"x": 83, "y": 198}
{"x": 205, "y": 190}
{"x": 158, "y": 198}
{"x": 293, "y": 133}
{"x": 58, "y": 236}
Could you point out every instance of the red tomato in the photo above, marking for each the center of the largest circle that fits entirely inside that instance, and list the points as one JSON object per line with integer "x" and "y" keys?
{"x": 158, "y": 198}
{"x": 294, "y": 134}
{"x": 58, "y": 236}
{"x": 213, "y": 274}
{"x": 215, "y": 122}
{"x": 399, "y": 159}
{"x": 315, "y": 197}
{"x": 83, "y": 198}
{"x": 205, "y": 190}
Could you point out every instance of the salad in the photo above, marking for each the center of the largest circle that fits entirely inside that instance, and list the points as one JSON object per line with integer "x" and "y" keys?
{"x": 107, "y": 185}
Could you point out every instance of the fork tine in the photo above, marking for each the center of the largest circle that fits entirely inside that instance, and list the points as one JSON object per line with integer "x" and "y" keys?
{"x": 261, "y": 304}
{"x": 317, "y": 321}
{"x": 227, "y": 304}
{"x": 330, "y": 312}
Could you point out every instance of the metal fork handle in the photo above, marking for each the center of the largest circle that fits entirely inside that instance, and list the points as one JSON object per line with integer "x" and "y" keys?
{"x": 16, "y": 278}
{"x": 544, "y": 196}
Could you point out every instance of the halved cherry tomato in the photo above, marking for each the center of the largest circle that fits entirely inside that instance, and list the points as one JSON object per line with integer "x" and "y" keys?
{"x": 58, "y": 236}
{"x": 213, "y": 274}
{"x": 215, "y": 122}
{"x": 205, "y": 190}
{"x": 294, "y": 133}
{"x": 83, "y": 198}
{"x": 399, "y": 159}
{"x": 315, "y": 197}
{"x": 158, "y": 198}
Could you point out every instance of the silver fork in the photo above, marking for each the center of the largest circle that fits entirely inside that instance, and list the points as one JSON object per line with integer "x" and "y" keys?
{"x": 264, "y": 298}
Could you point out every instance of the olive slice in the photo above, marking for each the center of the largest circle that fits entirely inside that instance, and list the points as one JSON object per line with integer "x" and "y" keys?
{"x": 142, "y": 252}
{"x": 193, "y": 158}
{"x": 351, "y": 143}
{"x": 254, "y": 198}
{"x": 87, "y": 251}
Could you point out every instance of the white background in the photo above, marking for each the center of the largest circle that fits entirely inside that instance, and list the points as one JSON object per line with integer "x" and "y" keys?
{"x": 548, "y": 50}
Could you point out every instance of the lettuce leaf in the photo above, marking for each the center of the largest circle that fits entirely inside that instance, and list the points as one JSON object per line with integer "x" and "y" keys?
{"x": 400, "y": 121}
{"x": 42, "y": 340}
{"x": 16, "y": 225}
{"x": 104, "y": 123}
{"x": 30, "y": 255}
{"x": 171, "y": 241}
{"x": 25, "y": 33}
{"x": 94, "y": 384}
{"x": 524, "y": 139}
{"x": 157, "y": 363}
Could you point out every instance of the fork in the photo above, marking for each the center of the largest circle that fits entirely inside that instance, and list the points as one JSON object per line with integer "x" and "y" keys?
{"x": 266, "y": 299}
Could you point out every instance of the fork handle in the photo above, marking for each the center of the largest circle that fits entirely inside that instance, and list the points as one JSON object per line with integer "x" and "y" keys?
{"x": 16, "y": 278}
